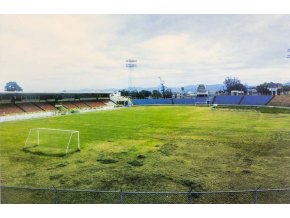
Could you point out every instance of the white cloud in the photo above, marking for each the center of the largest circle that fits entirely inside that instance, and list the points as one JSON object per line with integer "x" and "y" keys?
{"x": 56, "y": 52}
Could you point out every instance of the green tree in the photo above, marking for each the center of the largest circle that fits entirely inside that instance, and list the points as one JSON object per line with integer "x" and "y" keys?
{"x": 144, "y": 94}
{"x": 286, "y": 88}
{"x": 12, "y": 87}
{"x": 156, "y": 94}
{"x": 263, "y": 89}
{"x": 168, "y": 93}
{"x": 134, "y": 94}
{"x": 234, "y": 84}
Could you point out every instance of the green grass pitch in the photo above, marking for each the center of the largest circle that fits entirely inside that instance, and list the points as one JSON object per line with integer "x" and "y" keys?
{"x": 156, "y": 148}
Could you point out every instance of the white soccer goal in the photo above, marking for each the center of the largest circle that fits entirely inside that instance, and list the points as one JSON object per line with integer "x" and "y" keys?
{"x": 48, "y": 141}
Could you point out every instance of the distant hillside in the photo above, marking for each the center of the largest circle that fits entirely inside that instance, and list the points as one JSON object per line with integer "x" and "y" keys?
{"x": 189, "y": 88}
{"x": 91, "y": 90}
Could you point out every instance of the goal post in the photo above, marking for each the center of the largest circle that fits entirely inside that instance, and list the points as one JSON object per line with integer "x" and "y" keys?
{"x": 49, "y": 141}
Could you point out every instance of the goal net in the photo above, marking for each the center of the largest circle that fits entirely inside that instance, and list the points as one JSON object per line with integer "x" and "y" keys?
{"x": 52, "y": 142}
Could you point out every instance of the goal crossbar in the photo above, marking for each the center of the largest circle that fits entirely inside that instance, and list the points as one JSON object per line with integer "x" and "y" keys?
{"x": 63, "y": 130}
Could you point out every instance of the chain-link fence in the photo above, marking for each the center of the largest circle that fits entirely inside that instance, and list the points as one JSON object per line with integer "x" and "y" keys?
{"x": 19, "y": 195}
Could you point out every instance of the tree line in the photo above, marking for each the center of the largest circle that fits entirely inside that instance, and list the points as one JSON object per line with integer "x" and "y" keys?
{"x": 146, "y": 94}
{"x": 234, "y": 84}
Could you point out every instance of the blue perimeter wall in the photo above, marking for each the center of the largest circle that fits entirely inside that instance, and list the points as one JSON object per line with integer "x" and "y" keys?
{"x": 242, "y": 100}
{"x": 198, "y": 100}
{"x": 227, "y": 99}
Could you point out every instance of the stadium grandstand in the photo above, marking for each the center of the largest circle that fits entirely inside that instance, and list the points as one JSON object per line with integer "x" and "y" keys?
{"x": 29, "y": 107}
{"x": 21, "y": 102}
{"x": 256, "y": 100}
{"x": 182, "y": 101}
{"x": 45, "y": 106}
{"x": 245, "y": 100}
{"x": 69, "y": 105}
{"x": 10, "y": 109}
{"x": 228, "y": 99}
{"x": 81, "y": 104}
{"x": 24, "y": 103}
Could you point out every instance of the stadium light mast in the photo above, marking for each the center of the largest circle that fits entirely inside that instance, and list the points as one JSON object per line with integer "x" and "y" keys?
{"x": 162, "y": 86}
{"x": 131, "y": 64}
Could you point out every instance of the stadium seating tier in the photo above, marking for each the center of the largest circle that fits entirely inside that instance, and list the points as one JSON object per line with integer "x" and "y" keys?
{"x": 227, "y": 99}
{"x": 256, "y": 100}
{"x": 80, "y": 104}
{"x": 69, "y": 105}
{"x": 29, "y": 107}
{"x": 9, "y": 109}
{"x": 94, "y": 103}
{"x": 45, "y": 106}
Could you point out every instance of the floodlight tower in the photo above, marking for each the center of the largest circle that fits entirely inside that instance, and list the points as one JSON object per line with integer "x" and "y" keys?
{"x": 131, "y": 64}
{"x": 162, "y": 86}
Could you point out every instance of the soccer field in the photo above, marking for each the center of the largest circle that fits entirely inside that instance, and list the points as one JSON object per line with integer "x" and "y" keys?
{"x": 155, "y": 148}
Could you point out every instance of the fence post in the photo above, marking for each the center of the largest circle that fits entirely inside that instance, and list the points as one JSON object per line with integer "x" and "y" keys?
{"x": 55, "y": 199}
{"x": 256, "y": 195}
{"x": 121, "y": 197}
{"x": 190, "y": 196}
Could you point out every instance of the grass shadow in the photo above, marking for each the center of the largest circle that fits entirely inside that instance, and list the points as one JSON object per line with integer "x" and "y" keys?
{"x": 44, "y": 153}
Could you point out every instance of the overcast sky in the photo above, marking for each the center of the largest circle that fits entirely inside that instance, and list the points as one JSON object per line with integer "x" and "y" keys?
{"x": 65, "y": 52}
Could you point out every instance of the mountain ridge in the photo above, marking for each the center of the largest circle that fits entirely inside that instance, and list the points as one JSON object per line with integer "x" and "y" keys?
{"x": 188, "y": 88}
